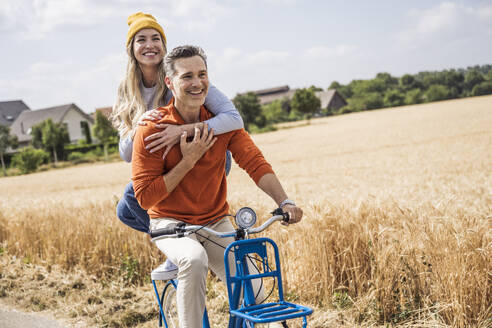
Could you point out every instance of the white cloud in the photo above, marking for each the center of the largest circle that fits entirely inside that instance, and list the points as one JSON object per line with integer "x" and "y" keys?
{"x": 45, "y": 84}
{"x": 485, "y": 12}
{"x": 36, "y": 19}
{"x": 445, "y": 22}
{"x": 325, "y": 52}
{"x": 438, "y": 19}
{"x": 234, "y": 59}
{"x": 282, "y": 2}
{"x": 238, "y": 70}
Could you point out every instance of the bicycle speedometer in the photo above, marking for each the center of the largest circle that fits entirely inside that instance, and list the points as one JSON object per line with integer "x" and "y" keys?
{"x": 245, "y": 218}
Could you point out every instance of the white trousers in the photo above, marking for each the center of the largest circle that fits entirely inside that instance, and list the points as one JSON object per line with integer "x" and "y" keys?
{"x": 194, "y": 255}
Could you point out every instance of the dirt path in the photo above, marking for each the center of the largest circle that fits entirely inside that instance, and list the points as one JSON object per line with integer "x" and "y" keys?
{"x": 12, "y": 318}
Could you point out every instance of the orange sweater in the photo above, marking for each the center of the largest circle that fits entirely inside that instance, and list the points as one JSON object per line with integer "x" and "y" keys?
{"x": 201, "y": 194}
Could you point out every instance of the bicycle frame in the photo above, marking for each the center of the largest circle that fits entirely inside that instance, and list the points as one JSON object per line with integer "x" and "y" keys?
{"x": 173, "y": 283}
{"x": 243, "y": 310}
{"x": 247, "y": 312}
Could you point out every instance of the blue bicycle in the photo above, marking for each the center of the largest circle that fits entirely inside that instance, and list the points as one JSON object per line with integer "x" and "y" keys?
{"x": 244, "y": 311}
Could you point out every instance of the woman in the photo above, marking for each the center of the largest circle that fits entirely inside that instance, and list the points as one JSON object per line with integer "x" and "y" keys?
{"x": 143, "y": 89}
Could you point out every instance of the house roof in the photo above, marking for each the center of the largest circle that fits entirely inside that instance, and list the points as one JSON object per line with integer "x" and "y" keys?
{"x": 106, "y": 111}
{"x": 27, "y": 119}
{"x": 268, "y": 98}
{"x": 10, "y": 110}
{"x": 325, "y": 97}
{"x": 264, "y": 92}
{"x": 269, "y": 95}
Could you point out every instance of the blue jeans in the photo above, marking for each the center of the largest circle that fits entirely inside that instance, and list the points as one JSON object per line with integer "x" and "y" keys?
{"x": 130, "y": 212}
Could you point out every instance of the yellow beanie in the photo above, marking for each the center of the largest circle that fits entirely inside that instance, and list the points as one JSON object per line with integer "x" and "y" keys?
{"x": 139, "y": 21}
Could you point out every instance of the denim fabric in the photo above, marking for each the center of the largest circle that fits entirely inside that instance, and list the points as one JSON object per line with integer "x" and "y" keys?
{"x": 228, "y": 162}
{"x": 130, "y": 212}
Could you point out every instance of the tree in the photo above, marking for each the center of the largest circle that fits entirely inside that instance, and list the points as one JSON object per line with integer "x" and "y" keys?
{"x": 387, "y": 80}
{"x": 489, "y": 75}
{"x": 28, "y": 159}
{"x": 408, "y": 82}
{"x": 104, "y": 131}
{"x": 50, "y": 136}
{"x": 315, "y": 88}
{"x": 484, "y": 88}
{"x": 373, "y": 100}
{"x": 305, "y": 101}
{"x": 344, "y": 90}
{"x": 275, "y": 112}
{"x": 87, "y": 132}
{"x": 437, "y": 92}
{"x": 6, "y": 140}
{"x": 393, "y": 98}
{"x": 455, "y": 82}
{"x": 413, "y": 96}
{"x": 249, "y": 107}
{"x": 473, "y": 78}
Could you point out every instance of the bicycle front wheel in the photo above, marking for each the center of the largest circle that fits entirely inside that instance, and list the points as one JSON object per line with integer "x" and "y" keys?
{"x": 170, "y": 306}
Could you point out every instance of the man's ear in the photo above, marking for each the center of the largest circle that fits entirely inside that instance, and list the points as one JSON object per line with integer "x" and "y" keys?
{"x": 167, "y": 80}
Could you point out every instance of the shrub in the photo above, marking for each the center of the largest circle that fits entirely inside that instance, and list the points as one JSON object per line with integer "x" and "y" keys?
{"x": 437, "y": 92}
{"x": 275, "y": 112}
{"x": 484, "y": 88}
{"x": 78, "y": 157}
{"x": 393, "y": 98}
{"x": 413, "y": 96}
{"x": 29, "y": 159}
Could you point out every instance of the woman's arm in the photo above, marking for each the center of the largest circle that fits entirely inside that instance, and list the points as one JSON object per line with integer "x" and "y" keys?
{"x": 126, "y": 147}
{"x": 126, "y": 144}
{"x": 226, "y": 118}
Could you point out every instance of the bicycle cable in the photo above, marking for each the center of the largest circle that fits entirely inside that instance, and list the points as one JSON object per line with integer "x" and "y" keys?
{"x": 215, "y": 220}
{"x": 254, "y": 265}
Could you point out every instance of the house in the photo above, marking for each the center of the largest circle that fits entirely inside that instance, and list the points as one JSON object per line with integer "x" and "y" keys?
{"x": 106, "y": 111}
{"x": 10, "y": 110}
{"x": 71, "y": 115}
{"x": 330, "y": 99}
{"x": 267, "y": 96}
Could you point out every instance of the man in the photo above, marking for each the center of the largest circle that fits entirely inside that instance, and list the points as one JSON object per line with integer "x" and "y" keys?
{"x": 189, "y": 185}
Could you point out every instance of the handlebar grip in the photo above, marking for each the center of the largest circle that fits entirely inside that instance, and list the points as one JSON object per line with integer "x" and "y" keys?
{"x": 285, "y": 215}
{"x": 163, "y": 231}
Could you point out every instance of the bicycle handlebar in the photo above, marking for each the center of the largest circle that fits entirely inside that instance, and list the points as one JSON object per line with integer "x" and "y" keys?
{"x": 181, "y": 230}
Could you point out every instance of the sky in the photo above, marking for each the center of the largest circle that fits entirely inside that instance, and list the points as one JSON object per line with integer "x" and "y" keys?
{"x": 55, "y": 52}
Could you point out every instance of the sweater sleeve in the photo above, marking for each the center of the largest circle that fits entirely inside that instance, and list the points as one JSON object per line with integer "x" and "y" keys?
{"x": 125, "y": 146}
{"x": 248, "y": 156}
{"x": 226, "y": 118}
{"x": 147, "y": 171}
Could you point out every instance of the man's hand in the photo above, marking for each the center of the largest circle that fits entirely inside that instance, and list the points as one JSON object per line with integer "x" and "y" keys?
{"x": 192, "y": 151}
{"x": 168, "y": 137}
{"x": 295, "y": 213}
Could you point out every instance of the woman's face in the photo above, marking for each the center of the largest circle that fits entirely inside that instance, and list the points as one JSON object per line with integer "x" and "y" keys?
{"x": 148, "y": 47}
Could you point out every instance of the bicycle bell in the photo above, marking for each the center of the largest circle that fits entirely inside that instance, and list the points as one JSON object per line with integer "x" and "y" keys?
{"x": 245, "y": 218}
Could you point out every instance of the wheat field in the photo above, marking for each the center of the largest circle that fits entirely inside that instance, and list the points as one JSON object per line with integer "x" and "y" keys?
{"x": 397, "y": 227}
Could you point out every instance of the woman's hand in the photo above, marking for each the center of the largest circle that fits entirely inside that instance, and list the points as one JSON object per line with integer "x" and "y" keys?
{"x": 151, "y": 115}
{"x": 192, "y": 151}
{"x": 168, "y": 137}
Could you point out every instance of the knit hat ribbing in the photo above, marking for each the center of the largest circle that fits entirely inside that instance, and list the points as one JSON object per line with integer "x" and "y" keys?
{"x": 139, "y": 21}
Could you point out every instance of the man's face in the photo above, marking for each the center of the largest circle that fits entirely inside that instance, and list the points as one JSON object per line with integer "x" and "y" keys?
{"x": 190, "y": 82}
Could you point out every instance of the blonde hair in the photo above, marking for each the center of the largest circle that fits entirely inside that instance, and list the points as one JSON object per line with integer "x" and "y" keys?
{"x": 130, "y": 105}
